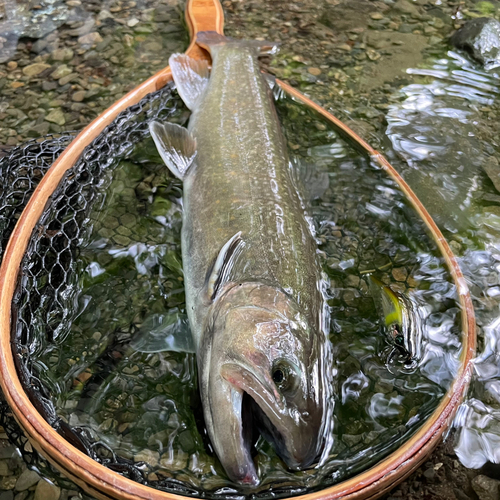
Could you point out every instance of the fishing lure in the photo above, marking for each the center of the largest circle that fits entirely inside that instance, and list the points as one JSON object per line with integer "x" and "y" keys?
{"x": 401, "y": 321}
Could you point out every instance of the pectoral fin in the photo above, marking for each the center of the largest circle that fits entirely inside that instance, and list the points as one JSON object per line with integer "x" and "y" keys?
{"x": 176, "y": 146}
{"x": 191, "y": 77}
{"x": 223, "y": 265}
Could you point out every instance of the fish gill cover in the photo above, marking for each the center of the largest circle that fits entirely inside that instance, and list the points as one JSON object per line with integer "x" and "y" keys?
{"x": 103, "y": 265}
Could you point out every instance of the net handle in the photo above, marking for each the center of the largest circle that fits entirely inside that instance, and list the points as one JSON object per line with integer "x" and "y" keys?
{"x": 207, "y": 15}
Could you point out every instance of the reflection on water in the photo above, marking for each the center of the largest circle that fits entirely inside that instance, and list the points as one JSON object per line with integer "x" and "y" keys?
{"x": 143, "y": 406}
{"x": 440, "y": 128}
{"x": 434, "y": 128}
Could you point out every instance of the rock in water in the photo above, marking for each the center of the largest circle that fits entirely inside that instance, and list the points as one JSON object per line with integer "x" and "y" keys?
{"x": 26, "y": 480}
{"x": 47, "y": 491}
{"x": 486, "y": 488}
{"x": 480, "y": 37}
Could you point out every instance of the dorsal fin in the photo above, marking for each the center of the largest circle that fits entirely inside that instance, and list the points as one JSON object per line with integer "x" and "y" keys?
{"x": 191, "y": 77}
{"x": 223, "y": 265}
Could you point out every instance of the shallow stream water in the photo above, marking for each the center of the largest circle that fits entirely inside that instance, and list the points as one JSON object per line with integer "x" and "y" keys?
{"x": 387, "y": 69}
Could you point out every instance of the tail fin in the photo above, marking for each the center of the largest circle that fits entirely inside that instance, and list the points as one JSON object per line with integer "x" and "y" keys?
{"x": 209, "y": 40}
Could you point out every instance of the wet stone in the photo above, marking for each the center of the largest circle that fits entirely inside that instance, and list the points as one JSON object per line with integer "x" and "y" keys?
{"x": 128, "y": 219}
{"x": 47, "y": 86}
{"x": 64, "y": 54}
{"x": 491, "y": 166}
{"x": 406, "y": 7}
{"x": 111, "y": 222}
{"x": 351, "y": 440}
{"x": 79, "y": 95}
{"x": 350, "y": 297}
{"x": 47, "y": 491}
{"x": 148, "y": 456}
{"x": 123, "y": 231}
{"x": 200, "y": 466}
{"x": 460, "y": 495}
{"x": 7, "y": 495}
{"x": 108, "y": 425}
{"x": 480, "y": 37}
{"x": 35, "y": 69}
{"x": 133, "y": 22}
{"x": 61, "y": 71}
{"x": 7, "y": 451}
{"x": 90, "y": 39}
{"x": 178, "y": 461}
{"x": 486, "y": 488}
{"x": 26, "y": 480}
{"x": 7, "y": 483}
{"x": 314, "y": 71}
{"x": 39, "y": 46}
{"x": 104, "y": 14}
{"x": 430, "y": 473}
{"x": 384, "y": 387}
{"x": 56, "y": 116}
{"x": 121, "y": 240}
{"x": 352, "y": 281}
{"x": 399, "y": 273}
{"x": 4, "y": 468}
{"x": 68, "y": 78}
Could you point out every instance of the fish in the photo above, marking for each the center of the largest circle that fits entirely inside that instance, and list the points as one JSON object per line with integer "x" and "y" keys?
{"x": 255, "y": 292}
{"x": 400, "y": 320}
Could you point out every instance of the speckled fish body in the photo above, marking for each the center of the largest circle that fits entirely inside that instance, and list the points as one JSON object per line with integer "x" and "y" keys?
{"x": 243, "y": 182}
{"x": 252, "y": 277}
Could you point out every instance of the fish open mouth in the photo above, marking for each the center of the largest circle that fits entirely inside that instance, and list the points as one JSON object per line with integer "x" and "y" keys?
{"x": 260, "y": 411}
{"x": 249, "y": 430}
{"x": 255, "y": 422}
{"x": 263, "y": 412}
{"x": 263, "y": 425}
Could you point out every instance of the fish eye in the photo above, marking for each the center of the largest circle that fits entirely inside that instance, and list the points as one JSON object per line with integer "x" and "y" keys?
{"x": 278, "y": 376}
{"x": 285, "y": 375}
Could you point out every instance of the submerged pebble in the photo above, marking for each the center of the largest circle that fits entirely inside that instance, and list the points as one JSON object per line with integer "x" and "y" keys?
{"x": 486, "y": 488}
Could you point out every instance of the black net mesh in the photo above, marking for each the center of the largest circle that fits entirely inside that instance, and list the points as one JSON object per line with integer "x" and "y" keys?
{"x": 21, "y": 169}
{"x": 46, "y": 285}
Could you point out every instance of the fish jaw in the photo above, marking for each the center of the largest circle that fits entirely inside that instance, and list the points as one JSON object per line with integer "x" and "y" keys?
{"x": 292, "y": 434}
{"x": 227, "y": 413}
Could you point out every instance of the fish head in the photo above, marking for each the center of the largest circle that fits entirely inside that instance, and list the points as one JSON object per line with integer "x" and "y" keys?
{"x": 265, "y": 371}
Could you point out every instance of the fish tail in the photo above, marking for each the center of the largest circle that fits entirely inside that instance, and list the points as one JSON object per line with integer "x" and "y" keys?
{"x": 210, "y": 40}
